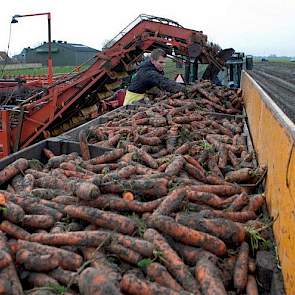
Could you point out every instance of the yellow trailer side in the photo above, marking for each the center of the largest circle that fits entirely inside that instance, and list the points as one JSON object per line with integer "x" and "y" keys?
{"x": 273, "y": 135}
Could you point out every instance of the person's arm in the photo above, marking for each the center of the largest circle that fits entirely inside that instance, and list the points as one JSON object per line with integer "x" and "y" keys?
{"x": 164, "y": 83}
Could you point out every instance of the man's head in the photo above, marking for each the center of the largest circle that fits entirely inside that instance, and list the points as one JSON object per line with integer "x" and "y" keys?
{"x": 158, "y": 59}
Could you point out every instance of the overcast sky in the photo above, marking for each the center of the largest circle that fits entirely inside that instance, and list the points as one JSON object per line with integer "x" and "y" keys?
{"x": 258, "y": 27}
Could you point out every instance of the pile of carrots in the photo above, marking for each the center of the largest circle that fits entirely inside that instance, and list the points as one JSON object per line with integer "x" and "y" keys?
{"x": 165, "y": 210}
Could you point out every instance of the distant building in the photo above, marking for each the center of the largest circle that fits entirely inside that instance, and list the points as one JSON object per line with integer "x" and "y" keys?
{"x": 63, "y": 54}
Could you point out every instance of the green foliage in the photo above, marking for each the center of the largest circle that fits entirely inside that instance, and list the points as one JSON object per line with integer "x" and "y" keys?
{"x": 207, "y": 146}
{"x": 58, "y": 289}
{"x": 143, "y": 263}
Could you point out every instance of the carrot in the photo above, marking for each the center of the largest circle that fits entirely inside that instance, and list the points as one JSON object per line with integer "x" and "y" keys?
{"x": 251, "y": 265}
{"x": 149, "y": 140}
{"x": 5, "y": 259}
{"x": 63, "y": 276}
{"x": 13, "y": 212}
{"x": 146, "y": 158}
{"x": 242, "y": 217}
{"x": 239, "y": 202}
{"x": 183, "y": 149}
{"x": 67, "y": 260}
{"x": 194, "y": 172}
{"x": 241, "y": 268}
{"x": 38, "y": 221}
{"x": 13, "y": 169}
{"x": 14, "y": 230}
{"x": 132, "y": 285}
{"x": 48, "y": 153}
{"x": 128, "y": 196}
{"x": 172, "y": 202}
{"x": 209, "y": 277}
{"x": 251, "y": 288}
{"x": 213, "y": 166}
{"x": 256, "y": 202}
{"x": 55, "y": 161}
{"x": 172, "y": 261}
{"x": 175, "y": 166}
{"x": 233, "y": 159}
{"x": 223, "y": 156}
{"x": 187, "y": 235}
{"x": 93, "y": 282}
{"x": 114, "y": 202}
{"x": 190, "y": 254}
{"x": 40, "y": 279}
{"x": 239, "y": 176}
{"x": 66, "y": 200}
{"x": 206, "y": 198}
{"x": 127, "y": 171}
{"x": 124, "y": 253}
{"x": 98, "y": 168}
{"x": 230, "y": 232}
{"x": 163, "y": 167}
{"x": 107, "y": 157}
{"x": 172, "y": 138}
{"x": 223, "y": 190}
{"x": 84, "y": 145}
{"x": 100, "y": 262}
{"x": 36, "y": 261}
{"x": 101, "y": 218}
{"x": 143, "y": 247}
{"x": 81, "y": 238}
{"x": 9, "y": 281}
{"x": 196, "y": 164}
{"x": 160, "y": 275}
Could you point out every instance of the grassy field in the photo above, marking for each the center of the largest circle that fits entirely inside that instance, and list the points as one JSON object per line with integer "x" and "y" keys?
{"x": 38, "y": 71}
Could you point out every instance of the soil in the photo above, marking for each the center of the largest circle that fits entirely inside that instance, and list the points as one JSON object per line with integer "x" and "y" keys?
{"x": 278, "y": 80}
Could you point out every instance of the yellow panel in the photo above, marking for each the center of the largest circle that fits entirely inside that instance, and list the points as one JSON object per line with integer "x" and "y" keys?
{"x": 273, "y": 137}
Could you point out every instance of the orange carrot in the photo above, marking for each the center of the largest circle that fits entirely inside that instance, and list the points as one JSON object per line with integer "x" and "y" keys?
{"x": 128, "y": 196}
{"x": 172, "y": 261}
{"x": 172, "y": 202}
{"x": 209, "y": 277}
{"x": 242, "y": 217}
{"x": 108, "y": 157}
{"x": 241, "y": 268}
{"x": 223, "y": 190}
{"x": 251, "y": 288}
{"x": 146, "y": 158}
{"x": 2, "y": 199}
{"x": 14, "y": 230}
{"x": 187, "y": 235}
{"x": 160, "y": 275}
{"x": 94, "y": 282}
{"x": 256, "y": 202}
{"x": 132, "y": 285}
{"x": 124, "y": 253}
{"x": 230, "y": 232}
{"x": 13, "y": 212}
{"x": 239, "y": 202}
{"x": 102, "y": 218}
{"x": 13, "y": 169}
{"x": 196, "y": 164}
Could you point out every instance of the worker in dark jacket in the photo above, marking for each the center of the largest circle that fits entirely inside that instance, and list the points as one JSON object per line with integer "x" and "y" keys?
{"x": 149, "y": 75}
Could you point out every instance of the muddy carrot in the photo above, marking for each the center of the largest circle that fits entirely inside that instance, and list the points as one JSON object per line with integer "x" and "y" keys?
{"x": 108, "y": 157}
{"x": 251, "y": 288}
{"x": 36, "y": 262}
{"x": 183, "y": 149}
{"x": 127, "y": 171}
{"x": 239, "y": 176}
{"x": 124, "y": 253}
{"x": 81, "y": 238}
{"x": 93, "y": 282}
{"x": 187, "y": 235}
{"x": 172, "y": 202}
{"x": 13, "y": 212}
{"x": 175, "y": 166}
{"x": 67, "y": 260}
{"x": 194, "y": 172}
{"x": 132, "y": 285}
{"x": 241, "y": 268}
{"x": 172, "y": 261}
{"x": 242, "y": 217}
{"x": 196, "y": 164}
{"x": 251, "y": 265}
{"x": 36, "y": 279}
{"x": 223, "y": 190}
{"x": 38, "y": 221}
{"x": 239, "y": 202}
{"x": 63, "y": 276}
{"x": 209, "y": 277}
{"x": 230, "y": 232}
{"x": 146, "y": 158}
{"x": 5, "y": 259}
{"x": 256, "y": 202}
{"x": 102, "y": 218}
{"x": 160, "y": 275}
{"x": 9, "y": 281}
{"x": 206, "y": 198}
{"x": 14, "y": 230}
{"x": 13, "y": 169}
{"x": 66, "y": 200}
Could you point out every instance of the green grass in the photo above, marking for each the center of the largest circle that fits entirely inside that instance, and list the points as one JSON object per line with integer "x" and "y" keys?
{"x": 40, "y": 71}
